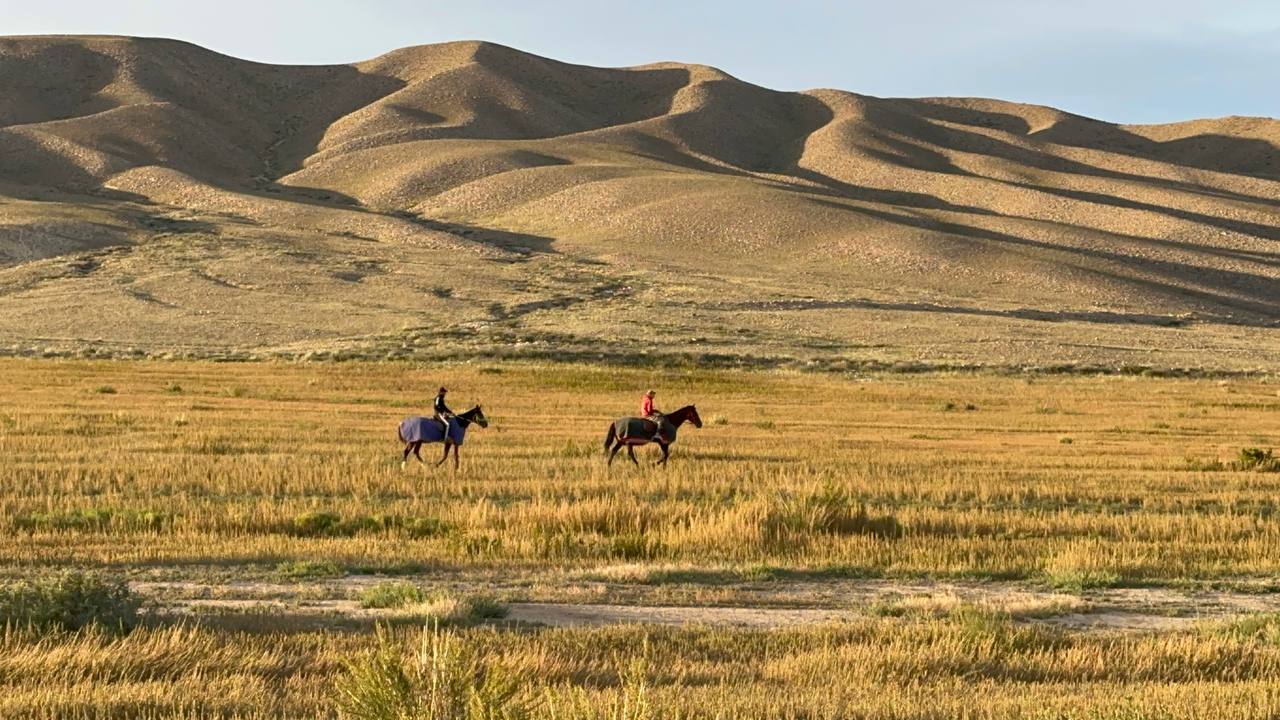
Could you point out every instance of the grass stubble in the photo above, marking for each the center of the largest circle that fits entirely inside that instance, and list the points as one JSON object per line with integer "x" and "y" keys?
{"x": 192, "y": 470}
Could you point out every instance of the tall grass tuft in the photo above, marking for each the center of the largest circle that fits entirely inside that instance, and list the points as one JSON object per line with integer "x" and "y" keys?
{"x": 445, "y": 680}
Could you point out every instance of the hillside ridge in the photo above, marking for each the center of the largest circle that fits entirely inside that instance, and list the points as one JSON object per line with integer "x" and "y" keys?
{"x": 533, "y": 181}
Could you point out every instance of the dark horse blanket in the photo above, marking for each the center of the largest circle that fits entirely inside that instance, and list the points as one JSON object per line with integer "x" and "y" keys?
{"x": 634, "y": 428}
{"x": 428, "y": 430}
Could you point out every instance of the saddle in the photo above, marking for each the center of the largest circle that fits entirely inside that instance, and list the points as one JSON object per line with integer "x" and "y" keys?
{"x": 635, "y": 428}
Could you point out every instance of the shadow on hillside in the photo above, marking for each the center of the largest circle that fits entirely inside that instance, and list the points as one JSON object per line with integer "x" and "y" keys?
{"x": 1249, "y": 157}
{"x": 68, "y": 67}
{"x": 1254, "y": 294}
{"x": 321, "y": 96}
{"x": 1267, "y": 232}
{"x": 1101, "y": 317}
{"x": 953, "y": 138}
{"x": 523, "y": 245}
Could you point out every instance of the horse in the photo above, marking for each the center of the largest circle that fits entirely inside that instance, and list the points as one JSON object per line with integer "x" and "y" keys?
{"x": 633, "y": 431}
{"x": 414, "y": 431}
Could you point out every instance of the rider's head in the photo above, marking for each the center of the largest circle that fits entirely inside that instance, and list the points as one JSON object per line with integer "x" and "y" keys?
{"x": 651, "y": 393}
{"x": 442, "y": 390}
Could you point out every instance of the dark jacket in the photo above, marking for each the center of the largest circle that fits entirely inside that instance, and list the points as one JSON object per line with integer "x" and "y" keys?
{"x": 440, "y": 407}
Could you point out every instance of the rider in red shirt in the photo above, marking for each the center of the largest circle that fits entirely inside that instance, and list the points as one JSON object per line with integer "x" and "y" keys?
{"x": 651, "y": 413}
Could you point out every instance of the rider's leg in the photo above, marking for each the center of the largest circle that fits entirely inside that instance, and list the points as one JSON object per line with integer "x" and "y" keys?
{"x": 657, "y": 426}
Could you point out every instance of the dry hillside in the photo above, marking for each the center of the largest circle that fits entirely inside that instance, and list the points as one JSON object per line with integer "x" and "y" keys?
{"x": 157, "y": 197}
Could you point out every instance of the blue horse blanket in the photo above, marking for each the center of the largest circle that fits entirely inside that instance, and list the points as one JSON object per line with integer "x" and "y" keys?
{"x": 428, "y": 430}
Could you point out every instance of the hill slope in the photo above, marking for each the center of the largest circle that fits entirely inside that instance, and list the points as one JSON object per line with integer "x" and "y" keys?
{"x": 467, "y": 196}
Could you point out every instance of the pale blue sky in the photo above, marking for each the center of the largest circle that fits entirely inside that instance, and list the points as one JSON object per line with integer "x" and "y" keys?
{"x": 1121, "y": 60}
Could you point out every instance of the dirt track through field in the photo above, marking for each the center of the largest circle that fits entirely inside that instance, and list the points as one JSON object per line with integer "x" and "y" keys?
{"x": 761, "y": 605}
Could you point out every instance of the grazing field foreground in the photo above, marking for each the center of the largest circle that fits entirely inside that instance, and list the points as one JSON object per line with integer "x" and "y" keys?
{"x": 1094, "y": 481}
{"x": 248, "y": 504}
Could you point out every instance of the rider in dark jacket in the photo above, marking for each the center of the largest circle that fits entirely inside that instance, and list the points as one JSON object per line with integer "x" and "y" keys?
{"x": 443, "y": 413}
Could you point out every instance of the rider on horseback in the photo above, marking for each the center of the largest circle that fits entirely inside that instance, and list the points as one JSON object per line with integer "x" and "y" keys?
{"x": 651, "y": 413}
{"x": 443, "y": 413}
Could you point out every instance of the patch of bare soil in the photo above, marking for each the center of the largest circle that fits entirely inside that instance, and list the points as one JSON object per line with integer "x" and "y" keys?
{"x": 335, "y": 601}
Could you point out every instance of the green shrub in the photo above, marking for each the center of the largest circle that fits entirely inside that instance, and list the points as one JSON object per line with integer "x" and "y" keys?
{"x": 105, "y": 390}
{"x": 96, "y": 520}
{"x": 173, "y": 389}
{"x": 1075, "y": 579}
{"x": 327, "y": 524}
{"x": 1253, "y": 458}
{"x": 1263, "y": 627}
{"x": 979, "y": 622}
{"x": 445, "y": 680}
{"x": 312, "y": 524}
{"x": 449, "y": 608}
{"x": 70, "y": 601}
{"x": 424, "y": 527}
{"x": 391, "y": 595}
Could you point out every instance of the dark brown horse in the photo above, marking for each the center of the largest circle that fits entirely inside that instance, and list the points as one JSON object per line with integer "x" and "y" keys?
{"x": 414, "y": 431}
{"x": 629, "y": 432}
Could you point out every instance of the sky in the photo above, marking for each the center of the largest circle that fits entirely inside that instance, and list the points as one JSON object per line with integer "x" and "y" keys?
{"x": 1130, "y": 61}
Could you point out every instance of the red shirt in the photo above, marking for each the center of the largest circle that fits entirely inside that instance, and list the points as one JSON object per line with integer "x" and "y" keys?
{"x": 646, "y": 406}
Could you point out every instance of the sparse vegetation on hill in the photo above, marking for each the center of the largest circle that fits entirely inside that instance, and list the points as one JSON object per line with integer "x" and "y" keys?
{"x": 160, "y": 199}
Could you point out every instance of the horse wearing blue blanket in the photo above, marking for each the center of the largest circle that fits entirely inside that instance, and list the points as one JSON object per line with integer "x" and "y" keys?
{"x": 414, "y": 431}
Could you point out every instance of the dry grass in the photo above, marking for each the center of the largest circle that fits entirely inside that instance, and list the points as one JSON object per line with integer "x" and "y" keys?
{"x": 296, "y": 466}
{"x": 968, "y": 663}
{"x": 273, "y": 469}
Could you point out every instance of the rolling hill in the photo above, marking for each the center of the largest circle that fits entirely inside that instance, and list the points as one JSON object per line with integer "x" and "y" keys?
{"x": 464, "y": 199}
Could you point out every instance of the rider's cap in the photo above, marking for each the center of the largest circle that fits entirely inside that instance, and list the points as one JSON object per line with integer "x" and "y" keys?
{"x": 651, "y": 392}
{"x": 442, "y": 389}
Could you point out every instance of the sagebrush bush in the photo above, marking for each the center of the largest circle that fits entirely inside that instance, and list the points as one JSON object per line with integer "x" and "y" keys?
{"x": 391, "y": 595}
{"x": 445, "y": 680}
{"x": 447, "y": 608}
{"x": 70, "y": 601}
{"x": 1253, "y": 458}
{"x": 311, "y": 524}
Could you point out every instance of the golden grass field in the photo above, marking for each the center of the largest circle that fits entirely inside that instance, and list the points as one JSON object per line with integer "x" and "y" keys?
{"x": 214, "y": 474}
{"x": 120, "y": 464}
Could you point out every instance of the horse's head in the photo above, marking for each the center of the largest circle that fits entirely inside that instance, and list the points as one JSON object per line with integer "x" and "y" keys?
{"x": 476, "y": 415}
{"x": 694, "y": 417}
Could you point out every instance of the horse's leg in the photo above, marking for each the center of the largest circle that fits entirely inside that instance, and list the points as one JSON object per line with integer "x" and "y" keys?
{"x": 416, "y": 447}
{"x": 631, "y": 452}
{"x": 445, "y": 456}
{"x": 408, "y": 448}
{"x": 666, "y": 454}
{"x": 614, "y": 452}
{"x": 455, "y": 457}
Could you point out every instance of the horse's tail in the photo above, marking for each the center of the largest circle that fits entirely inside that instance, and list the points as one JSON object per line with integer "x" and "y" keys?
{"x": 608, "y": 439}
{"x": 399, "y": 434}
